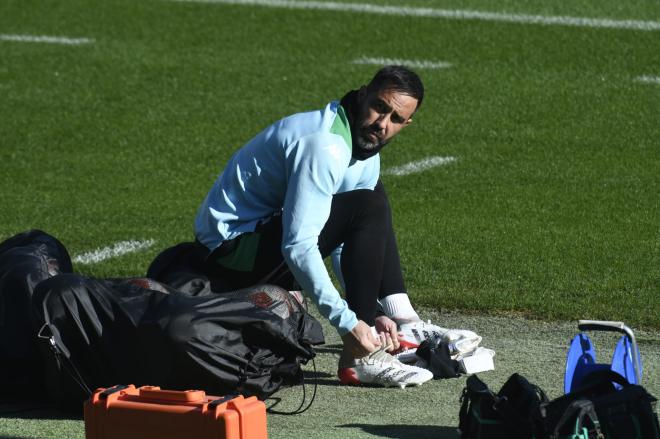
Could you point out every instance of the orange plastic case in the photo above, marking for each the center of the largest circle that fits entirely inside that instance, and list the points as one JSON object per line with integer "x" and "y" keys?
{"x": 148, "y": 412}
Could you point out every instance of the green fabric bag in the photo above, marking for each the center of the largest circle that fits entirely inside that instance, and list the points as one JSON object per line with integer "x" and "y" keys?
{"x": 507, "y": 414}
{"x": 602, "y": 410}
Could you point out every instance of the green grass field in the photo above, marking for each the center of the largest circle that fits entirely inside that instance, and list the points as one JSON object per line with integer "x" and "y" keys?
{"x": 550, "y": 211}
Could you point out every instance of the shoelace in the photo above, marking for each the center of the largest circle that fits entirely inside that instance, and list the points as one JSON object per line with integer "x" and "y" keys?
{"x": 380, "y": 355}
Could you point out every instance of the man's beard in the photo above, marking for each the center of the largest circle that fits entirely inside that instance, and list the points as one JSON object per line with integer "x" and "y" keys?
{"x": 365, "y": 146}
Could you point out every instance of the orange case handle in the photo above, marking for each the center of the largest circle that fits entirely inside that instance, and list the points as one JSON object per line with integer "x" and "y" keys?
{"x": 153, "y": 392}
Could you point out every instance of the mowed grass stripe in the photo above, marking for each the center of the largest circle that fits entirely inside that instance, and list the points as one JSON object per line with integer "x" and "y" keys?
{"x": 119, "y": 249}
{"x": 418, "y": 166}
{"x": 45, "y": 39}
{"x": 648, "y": 79}
{"x": 412, "y": 63}
{"x": 454, "y": 14}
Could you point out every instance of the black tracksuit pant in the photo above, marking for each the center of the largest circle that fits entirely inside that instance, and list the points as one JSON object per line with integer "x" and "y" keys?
{"x": 370, "y": 266}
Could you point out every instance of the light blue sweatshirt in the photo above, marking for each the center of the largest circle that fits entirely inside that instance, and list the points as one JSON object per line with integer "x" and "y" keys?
{"x": 294, "y": 166}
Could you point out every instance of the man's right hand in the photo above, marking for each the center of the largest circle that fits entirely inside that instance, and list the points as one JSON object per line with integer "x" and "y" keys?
{"x": 360, "y": 341}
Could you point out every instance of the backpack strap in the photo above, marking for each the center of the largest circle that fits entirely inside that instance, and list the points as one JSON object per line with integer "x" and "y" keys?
{"x": 581, "y": 409}
{"x": 62, "y": 356}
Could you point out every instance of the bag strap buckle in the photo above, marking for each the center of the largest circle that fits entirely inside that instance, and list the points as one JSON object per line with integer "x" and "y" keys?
{"x": 45, "y": 333}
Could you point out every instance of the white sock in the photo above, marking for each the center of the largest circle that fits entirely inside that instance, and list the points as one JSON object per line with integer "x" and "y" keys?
{"x": 398, "y": 308}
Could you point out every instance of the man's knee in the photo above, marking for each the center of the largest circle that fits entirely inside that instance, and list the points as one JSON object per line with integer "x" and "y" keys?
{"x": 372, "y": 207}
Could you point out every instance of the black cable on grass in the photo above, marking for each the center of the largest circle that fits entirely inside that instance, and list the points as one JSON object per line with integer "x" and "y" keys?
{"x": 300, "y": 409}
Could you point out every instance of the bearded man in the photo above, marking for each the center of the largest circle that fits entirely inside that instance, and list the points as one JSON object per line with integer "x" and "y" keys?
{"x": 307, "y": 187}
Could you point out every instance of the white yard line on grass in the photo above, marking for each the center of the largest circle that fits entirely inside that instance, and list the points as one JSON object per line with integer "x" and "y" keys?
{"x": 45, "y": 39}
{"x": 419, "y": 166}
{"x": 455, "y": 14}
{"x": 119, "y": 249}
{"x": 648, "y": 79}
{"x": 416, "y": 64}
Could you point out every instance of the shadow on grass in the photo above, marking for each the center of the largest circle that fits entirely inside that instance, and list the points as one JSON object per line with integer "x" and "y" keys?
{"x": 321, "y": 379}
{"x": 332, "y": 380}
{"x": 36, "y": 411}
{"x": 329, "y": 379}
{"x": 328, "y": 349}
{"x": 407, "y": 431}
{"x": 311, "y": 375}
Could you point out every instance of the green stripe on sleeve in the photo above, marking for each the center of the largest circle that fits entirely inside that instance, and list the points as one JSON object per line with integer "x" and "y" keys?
{"x": 342, "y": 128}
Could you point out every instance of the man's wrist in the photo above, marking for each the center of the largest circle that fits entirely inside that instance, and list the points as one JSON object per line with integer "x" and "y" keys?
{"x": 347, "y": 326}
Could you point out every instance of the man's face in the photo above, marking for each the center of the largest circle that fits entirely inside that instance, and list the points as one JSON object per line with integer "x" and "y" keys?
{"x": 383, "y": 114}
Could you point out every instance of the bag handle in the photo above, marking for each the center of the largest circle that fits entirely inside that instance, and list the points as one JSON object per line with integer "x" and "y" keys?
{"x": 604, "y": 376}
{"x": 519, "y": 387}
{"x": 583, "y": 408}
{"x": 183, "y": 396}
{"x": 600, "y": 325}
{"x": 518, "y": 425}
{"x": 474, "y": 385}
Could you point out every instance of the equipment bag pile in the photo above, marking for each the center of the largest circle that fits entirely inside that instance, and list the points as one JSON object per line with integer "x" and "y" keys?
{"x": 597, "y": 409}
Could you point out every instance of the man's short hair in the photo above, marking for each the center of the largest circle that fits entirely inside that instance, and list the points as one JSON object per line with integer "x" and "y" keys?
{"x": 400, "y": 79}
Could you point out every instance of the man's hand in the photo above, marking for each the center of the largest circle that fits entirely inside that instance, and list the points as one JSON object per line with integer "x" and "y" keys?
{"x": 387, "y": 330}
{"x": 360, "y": 341}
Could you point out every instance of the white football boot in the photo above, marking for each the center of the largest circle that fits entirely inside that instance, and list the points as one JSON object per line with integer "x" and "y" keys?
{"x": 381, "y": 368}
{"x": 460, "y": 341}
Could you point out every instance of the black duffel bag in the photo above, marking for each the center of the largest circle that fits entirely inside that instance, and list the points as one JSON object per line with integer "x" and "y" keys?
{"x": 598, "y": 410}
{"x": 108, "y": 331}
{"x": 507, "y": 414}
{"x": 26, "y": 259}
